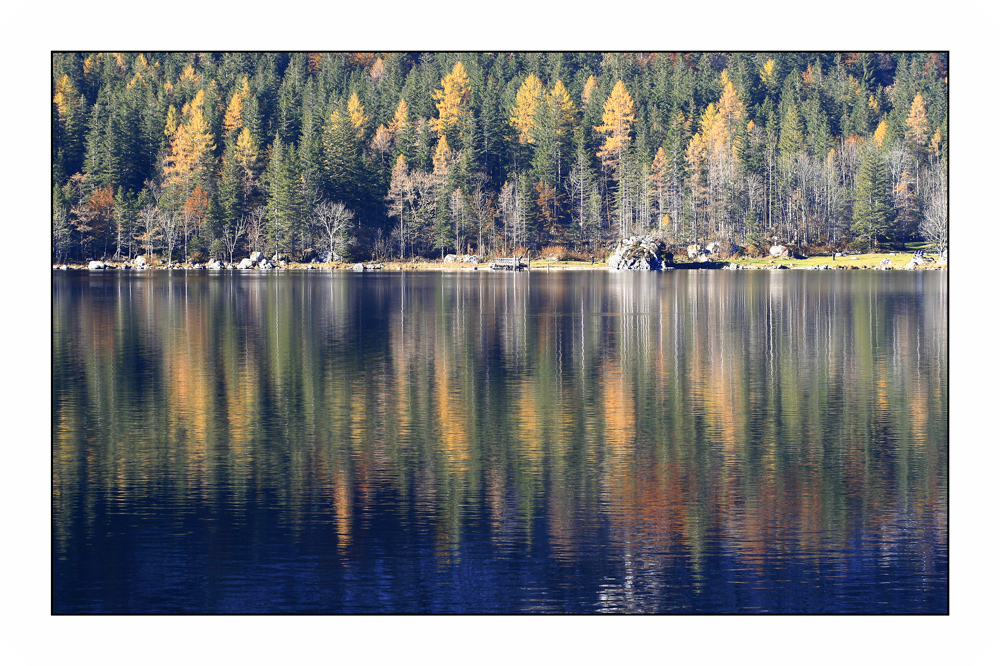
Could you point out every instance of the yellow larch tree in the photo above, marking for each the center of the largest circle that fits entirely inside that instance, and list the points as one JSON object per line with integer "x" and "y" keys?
{"x": 452, "y": 98}
{"x": 522, "y": 116}
{"x": 936, "y": 143}
{"x": 695, "y": 158}
{"x": 442, "y": 160}
{"x": 382, "y": 141}
{"x": 233, "y": 120}
{"x": 767, "y": 75}
{"x": 619, "y": 114}
{"x": 731, "y": 113}
{"x": 588, "y": 89}
{"x": 65, "y": 92}
{"x": 880, "y": 132}
{"x": 874, "y": 105}
{"x": 659, "y": 174}
{"x": 190, "y": 153}
{"x": 247, "y": 157}
{"x": 170, "y": 126}
{"x": 401, "y": 119}
{"x": 189, "y": 80}
{"x": 917, "y": 126}
{"x": 356, "y": 113}
{"x": 377, "y": 72}
{"x": 565, "y": 111}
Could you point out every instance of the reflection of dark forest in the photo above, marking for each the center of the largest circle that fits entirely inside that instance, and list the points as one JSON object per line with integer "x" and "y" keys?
{"x": 769, "y": 416}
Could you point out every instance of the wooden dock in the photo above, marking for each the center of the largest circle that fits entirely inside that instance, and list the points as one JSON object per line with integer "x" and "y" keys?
{"x": 510, "y": 264}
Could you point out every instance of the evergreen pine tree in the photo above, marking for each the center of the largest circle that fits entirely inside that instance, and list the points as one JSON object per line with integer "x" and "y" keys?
{"x": 872, "y": 201}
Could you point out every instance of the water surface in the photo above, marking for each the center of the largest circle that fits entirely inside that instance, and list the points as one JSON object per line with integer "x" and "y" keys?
{"x": 679, "y": 442}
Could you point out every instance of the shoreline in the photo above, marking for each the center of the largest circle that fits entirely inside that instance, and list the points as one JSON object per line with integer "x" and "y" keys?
{"x": 896, "y": 261}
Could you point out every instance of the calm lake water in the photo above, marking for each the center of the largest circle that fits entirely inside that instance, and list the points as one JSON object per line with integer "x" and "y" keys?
{"x": 678, "y": 442}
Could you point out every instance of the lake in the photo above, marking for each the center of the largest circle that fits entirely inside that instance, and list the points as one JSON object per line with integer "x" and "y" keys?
{"x": 566, "y": 442}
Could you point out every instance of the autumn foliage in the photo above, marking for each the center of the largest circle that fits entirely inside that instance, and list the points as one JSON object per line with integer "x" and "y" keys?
{"x": 491, "y": 151}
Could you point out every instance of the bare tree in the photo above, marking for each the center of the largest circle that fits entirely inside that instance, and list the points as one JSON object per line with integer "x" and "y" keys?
{"x": 187, "y": 225}
{"x": 459, "y": 210}
{"x": 423, "y": 204}
{"x": 334, "y": 219}
{"x": 482, "y": 206}
{"x": 168, "y": 228}
{"x": 578, "y": 188}
{"x": 380, "y": 246}
{"x": 934, "y": 225}
{"x": 512, "y": 212}
{"x": 149, "y": 227}
{"x": 231, "y": 235}
{"x": 400, "y": 193}
{"x": 255, "y": 228}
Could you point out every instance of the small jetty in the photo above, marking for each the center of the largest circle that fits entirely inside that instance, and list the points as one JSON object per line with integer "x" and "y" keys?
{"x": 510, "y": 264}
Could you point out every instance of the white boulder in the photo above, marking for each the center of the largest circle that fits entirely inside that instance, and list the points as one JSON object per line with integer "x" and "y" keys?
{"x": 640, "y": 253}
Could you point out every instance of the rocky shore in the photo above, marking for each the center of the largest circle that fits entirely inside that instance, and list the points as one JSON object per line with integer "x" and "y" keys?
{"x": 643, "y": 253}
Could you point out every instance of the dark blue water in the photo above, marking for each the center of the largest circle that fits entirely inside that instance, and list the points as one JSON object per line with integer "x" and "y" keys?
{"x": 685, "y": 442}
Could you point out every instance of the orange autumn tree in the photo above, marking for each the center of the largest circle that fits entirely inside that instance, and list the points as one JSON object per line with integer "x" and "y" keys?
{"x": 92, "y": 219}
{"x": 195, "y": 209}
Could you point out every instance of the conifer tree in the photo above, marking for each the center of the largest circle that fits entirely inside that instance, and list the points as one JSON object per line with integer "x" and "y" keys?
{"x": 284, "y": 203}
{"x": 872, "y": 201}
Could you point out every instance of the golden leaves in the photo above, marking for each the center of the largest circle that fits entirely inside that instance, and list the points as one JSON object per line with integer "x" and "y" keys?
{"x": 377, "y": 72}
{"x": 564, "y": 110}
{"x": 588, "y": 89}
{"x": 247, "y": 151}
{"x": 402, "y": 118}
{"x": 382, "y": 140}
{"x": 190, "y": 75}
{"x": 233, "y": 120}
{"x": 529, "y": 95}
{"x": 530, "y": 98}
{"x": 917, "y": 124}
{"x": 170, "y": 126}
{"x": 191, "y": 146}
{"x": 767, "y": 75}
{"x": 356, "y": 114}
{"x": 619, "y": 114}
{"x": 64, "y": 95}
{"x": 442, "y": 157}
{"x": 451, "y": 99}
{"x": 880, "y": 133}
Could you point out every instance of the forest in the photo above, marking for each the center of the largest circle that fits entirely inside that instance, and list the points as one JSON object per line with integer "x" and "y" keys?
{"x": 186, "y": 156}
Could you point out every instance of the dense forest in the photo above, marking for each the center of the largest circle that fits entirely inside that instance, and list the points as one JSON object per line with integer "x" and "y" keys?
{"x": 387, "y": 155}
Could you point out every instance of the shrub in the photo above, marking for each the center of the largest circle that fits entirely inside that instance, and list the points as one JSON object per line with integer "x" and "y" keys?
{"x": 554, "y": 252}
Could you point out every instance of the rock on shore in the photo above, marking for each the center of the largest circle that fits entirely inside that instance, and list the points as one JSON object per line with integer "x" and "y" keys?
{"x": 638, "y": 253}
